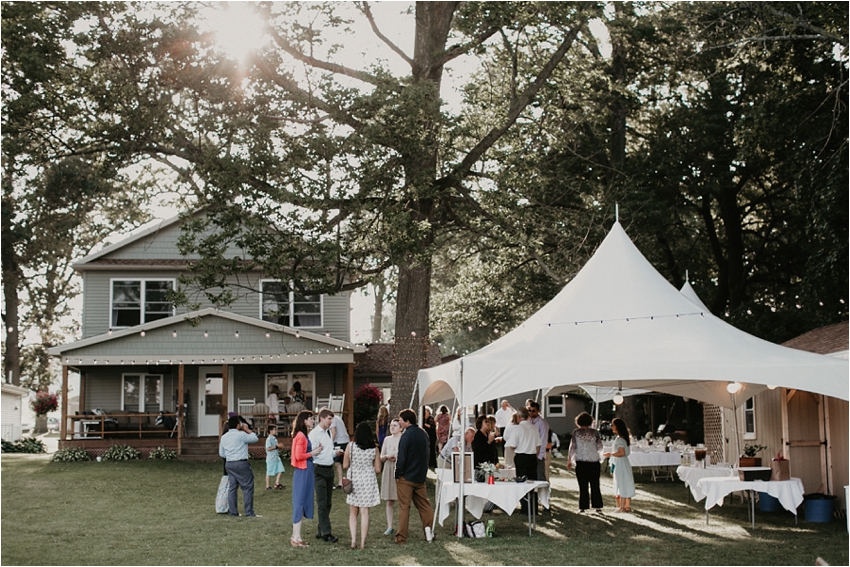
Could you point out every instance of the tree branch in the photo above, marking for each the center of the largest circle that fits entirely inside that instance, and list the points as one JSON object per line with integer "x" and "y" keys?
{"x": 456, "y": 51}
{"x": 364, "y": 7}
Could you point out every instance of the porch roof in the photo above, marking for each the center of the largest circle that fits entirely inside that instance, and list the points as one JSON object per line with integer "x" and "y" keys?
{"x": 204, "y": 337}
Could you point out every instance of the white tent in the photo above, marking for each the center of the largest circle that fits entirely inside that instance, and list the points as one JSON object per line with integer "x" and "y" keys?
{"x": 620, "y": 323}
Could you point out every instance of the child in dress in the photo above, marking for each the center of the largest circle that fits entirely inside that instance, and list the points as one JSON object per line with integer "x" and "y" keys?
{"x": 274, "y": 466}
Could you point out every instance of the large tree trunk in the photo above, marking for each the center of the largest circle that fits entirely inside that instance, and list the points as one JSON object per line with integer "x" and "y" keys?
{"x": 433, "y": 23}
{"x": 11, "y": 286}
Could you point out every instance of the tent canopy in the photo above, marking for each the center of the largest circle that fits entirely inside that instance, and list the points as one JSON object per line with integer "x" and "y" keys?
{"x": 619, "y": 322}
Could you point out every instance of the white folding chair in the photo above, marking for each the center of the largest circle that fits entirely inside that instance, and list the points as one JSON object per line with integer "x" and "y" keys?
{"x": 323, "y": 403}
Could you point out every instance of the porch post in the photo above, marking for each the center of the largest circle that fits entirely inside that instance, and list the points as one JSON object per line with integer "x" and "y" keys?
{"x": 348, "y": 391}
{"x": 82, "y": 390}
{"x": 180, "y": 412}
{"x": 224, "y": 401}
{"x": 63, "y": 425}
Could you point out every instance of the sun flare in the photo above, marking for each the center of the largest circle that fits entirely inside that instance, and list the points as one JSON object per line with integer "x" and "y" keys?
{"x": 237, "y": 26}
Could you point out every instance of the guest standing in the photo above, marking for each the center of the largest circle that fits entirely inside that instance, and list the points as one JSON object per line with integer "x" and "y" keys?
{"x": 233, "y": 448}
{"x": 524, "y": 441}
{"x": 323, "y": 471}
{"x": 443, "y": 424}
{"x": 382, "y": 424}
{"x": 429, "y": 424}
{"x": 585, "y": 448}
{"x": 297, "y": 398}
{"x": 506, "y": 434}
{"x": 389, "y": 454}
{"x": 411, "y": 471}
{"x": 363, "y": 462}
{"x": 341, "y": 439}
{"x": 274, "y": 466}
{"x": 483, "y": 443}
{"x": 624, "y": 480}
{"x": 303, "y": 481}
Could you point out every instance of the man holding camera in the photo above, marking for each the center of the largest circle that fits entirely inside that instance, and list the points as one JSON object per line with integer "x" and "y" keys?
{"x": 233, "y": 448}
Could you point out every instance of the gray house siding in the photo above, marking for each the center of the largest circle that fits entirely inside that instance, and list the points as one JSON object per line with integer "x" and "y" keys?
{"x": 96, "y": 301}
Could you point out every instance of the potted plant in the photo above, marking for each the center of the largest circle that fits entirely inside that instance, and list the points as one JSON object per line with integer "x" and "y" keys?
{"x": 749, "y": 459}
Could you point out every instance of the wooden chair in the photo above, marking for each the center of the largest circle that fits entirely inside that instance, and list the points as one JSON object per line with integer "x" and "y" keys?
{"x": 336, "y": 403}
{"x": 261, "y": 418}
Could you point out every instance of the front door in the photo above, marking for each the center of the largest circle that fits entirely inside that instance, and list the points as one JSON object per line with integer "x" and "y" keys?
{"x": 210, "y": 401}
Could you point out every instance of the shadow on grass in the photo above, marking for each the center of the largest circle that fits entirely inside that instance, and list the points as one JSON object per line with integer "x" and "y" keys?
{"x": 162, "y": 513}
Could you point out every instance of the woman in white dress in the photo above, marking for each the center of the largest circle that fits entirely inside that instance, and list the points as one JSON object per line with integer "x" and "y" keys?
{"x": 389, "y": 454}
{"x": 624, "y": 480}
{"x": 363, "y": 463}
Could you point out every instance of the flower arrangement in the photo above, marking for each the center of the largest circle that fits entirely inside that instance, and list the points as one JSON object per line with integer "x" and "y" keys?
{"x": 751, "y": 450}
{"x": 488, "y": 469}
{"x": 44, "y": 402}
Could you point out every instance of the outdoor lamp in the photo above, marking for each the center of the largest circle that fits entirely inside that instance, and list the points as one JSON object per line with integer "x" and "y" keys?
{"x": 618, "y": 398}
{"x": 733, "y": 387}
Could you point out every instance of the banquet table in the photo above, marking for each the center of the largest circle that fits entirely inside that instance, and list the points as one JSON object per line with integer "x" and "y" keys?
{"x": 691, "y": 476}
{"x": 653, "y": 460}
{"x": 788, "y": 492}
{"x": 504, "y": 494}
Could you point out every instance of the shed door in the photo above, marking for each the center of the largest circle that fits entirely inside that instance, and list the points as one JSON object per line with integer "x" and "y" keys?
{"x": 806, "y": 439}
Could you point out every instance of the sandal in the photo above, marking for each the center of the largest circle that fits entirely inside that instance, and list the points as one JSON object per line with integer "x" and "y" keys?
{"x": 268, "y": 488}
{"x": 279, "y": 486}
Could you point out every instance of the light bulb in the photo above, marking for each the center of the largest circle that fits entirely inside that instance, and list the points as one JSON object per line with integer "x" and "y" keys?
{"x": 618, "y": 398}
{"x": 733, "y": 387}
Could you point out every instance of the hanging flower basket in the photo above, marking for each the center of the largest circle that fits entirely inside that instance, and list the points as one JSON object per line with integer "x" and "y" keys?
{"x": 44, "y": 403}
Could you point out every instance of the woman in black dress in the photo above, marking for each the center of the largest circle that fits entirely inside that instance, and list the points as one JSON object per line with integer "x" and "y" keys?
{"x": 430, "y": 426}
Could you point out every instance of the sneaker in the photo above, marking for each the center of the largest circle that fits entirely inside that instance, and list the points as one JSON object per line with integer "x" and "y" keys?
{"x": 389, "y": 531}
{"x": 429, "y": 535}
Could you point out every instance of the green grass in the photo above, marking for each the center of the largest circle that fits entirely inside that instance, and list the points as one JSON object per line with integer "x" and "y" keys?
{"x": 163, "y": 513}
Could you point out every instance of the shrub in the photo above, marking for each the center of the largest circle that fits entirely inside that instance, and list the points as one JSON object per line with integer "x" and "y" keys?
{"x": 367, "y": 400}
{"x": 164, "y": 453}
{"x": 70, "y": 455}
{"x": 120, "y": 453}
{"x": 24, "y": 445}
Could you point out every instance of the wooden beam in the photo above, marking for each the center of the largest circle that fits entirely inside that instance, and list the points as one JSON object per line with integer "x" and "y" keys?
{"x": 180, "y": 412}
{"x": 786, "y": 430}
{"x": 822, "y": 434}
{"x": 63, "y": 426}
{"x": 348, "y": 390}
{"x": 224, "y": 401}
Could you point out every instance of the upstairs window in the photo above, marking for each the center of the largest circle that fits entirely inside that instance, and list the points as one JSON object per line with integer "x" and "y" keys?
{"x": 140, "y": 301}
{"x": 281, "y": 305}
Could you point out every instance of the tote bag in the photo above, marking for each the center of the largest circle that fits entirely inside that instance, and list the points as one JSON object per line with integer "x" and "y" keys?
{"x": 221, "y": 497}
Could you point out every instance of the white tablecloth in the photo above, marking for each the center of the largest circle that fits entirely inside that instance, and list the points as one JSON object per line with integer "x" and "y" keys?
{"x": 655, "y": 459}
{"x": 506, "y": 495}
{"x": 788, "y": 492}
{"x": 691, "y": 476}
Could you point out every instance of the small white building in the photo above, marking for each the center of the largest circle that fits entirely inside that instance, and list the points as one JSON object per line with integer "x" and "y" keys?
{"x": 14, "y": 398}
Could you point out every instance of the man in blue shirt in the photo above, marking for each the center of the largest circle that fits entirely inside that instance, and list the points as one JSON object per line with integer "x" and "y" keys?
{"x": 411, "y": 469}
{"x": 233, "y": 448}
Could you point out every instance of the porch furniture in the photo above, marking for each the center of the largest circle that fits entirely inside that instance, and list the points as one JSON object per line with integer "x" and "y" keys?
{"x": 245, "y": 405}
{"x": 260, "y": 415}
{"x": 323, "y": 403}
{"x": 336, "y": 403}
{"x": 788, "y": 492}
{"x": 504, "y": 494}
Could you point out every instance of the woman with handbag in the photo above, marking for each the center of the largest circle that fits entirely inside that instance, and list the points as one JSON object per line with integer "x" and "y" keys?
{"x": 389, "y": 454}
{"x": 363, "y": 463}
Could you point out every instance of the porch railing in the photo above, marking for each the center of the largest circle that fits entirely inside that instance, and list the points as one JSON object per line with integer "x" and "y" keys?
{"x": 113, "y": 425}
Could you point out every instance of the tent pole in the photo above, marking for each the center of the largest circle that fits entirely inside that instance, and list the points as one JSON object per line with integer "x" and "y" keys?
{"x": 413, "y": 392}
{"x": 460, "y": 495}
{"x": 737, "y": 433}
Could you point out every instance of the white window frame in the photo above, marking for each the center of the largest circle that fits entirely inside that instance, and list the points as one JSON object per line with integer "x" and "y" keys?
{"x": 143, "y": 284}
{"x": 291, "y": 300}
{"x": 295, "y": 376}
{"x": 143, "y": 377}
{"x": 556, "y": 410}
{"x": 749, "y": 407}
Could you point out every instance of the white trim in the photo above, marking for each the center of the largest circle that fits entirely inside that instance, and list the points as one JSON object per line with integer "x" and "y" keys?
{"x": 142, "y": 297}
{"x": 209, "y": 311}
{"x": 563, "y": 406}
{"x": 749, "y": 435}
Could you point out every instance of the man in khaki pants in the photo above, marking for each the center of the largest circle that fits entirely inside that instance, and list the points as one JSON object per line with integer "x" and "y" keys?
{"x": 411, "y": 469}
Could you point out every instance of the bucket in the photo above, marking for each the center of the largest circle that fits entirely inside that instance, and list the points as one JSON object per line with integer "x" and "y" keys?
{"x": 768, "y": 503}
{"x": 818, "y": 507}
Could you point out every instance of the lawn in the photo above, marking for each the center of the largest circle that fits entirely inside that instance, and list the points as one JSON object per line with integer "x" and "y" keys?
{"x": 163, "y": 513}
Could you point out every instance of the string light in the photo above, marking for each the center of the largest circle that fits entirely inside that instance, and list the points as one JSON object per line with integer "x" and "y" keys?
{"x": 173, "y": 334}
{"x": 142, "y": 334}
